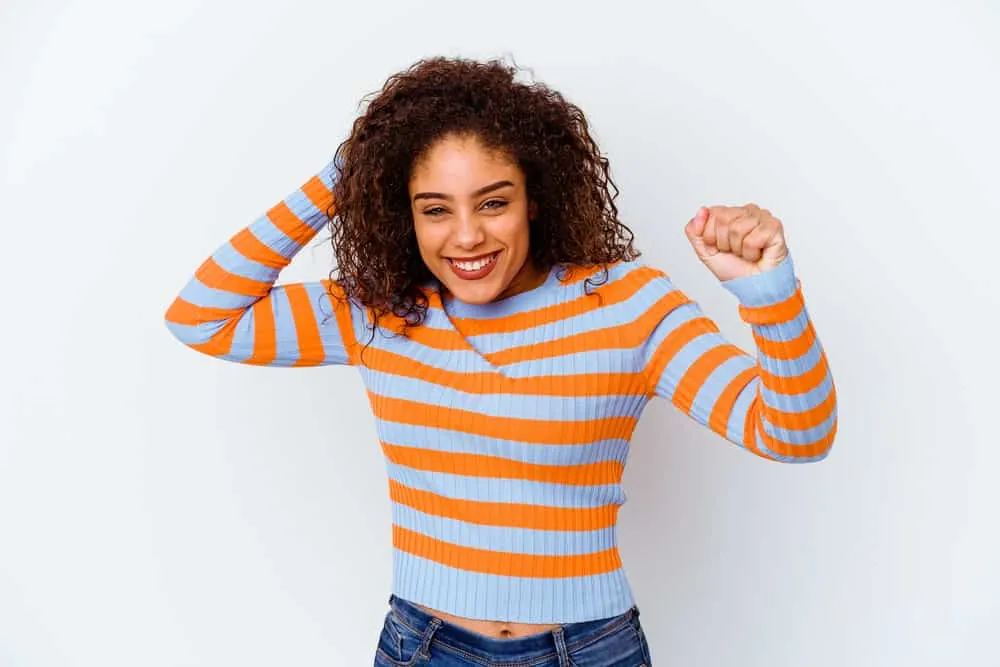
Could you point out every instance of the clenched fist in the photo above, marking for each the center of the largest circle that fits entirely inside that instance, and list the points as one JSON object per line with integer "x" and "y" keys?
{"x": 737, "y": 241}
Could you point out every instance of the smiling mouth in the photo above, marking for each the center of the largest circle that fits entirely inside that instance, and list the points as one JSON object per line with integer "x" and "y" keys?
{"x": 474, "y": 268}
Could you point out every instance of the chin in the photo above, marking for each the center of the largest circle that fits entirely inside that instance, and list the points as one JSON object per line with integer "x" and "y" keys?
{"x": 474, "y": 294}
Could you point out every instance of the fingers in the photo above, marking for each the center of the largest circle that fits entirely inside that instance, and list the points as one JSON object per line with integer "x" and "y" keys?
{"x": 739, "y": 230}
{"x": 757, "y": 240}
{"x": 695, "y": 229}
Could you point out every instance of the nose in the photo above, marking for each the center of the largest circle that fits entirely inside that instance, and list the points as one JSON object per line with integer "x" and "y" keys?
{"x": 468, "y": 232}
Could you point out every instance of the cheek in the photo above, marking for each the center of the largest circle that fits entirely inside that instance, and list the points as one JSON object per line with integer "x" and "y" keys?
{"x": 516, "y": 232}
{"x": 429, "y": 239}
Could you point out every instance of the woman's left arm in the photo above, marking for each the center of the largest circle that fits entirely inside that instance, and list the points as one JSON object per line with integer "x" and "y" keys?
{"x": 780, "y": 403}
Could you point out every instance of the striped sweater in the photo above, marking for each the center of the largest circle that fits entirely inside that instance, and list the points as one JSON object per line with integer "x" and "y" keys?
{"x": 505, "y": 427}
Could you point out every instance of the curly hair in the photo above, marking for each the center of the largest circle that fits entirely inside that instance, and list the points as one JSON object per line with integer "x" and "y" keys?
{"x": 566, "y": 176}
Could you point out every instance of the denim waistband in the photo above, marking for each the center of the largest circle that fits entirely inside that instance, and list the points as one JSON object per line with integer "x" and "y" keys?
{"x": 536, "y": 645}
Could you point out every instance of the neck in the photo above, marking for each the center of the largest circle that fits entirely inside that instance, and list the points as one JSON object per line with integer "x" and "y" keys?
{"x": 528, "y": 278}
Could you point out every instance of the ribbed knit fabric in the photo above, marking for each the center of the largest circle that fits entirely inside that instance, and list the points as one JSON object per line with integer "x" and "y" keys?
{"x": 506, "y": 426}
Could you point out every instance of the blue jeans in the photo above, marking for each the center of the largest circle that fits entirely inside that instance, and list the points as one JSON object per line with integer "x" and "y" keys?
{"x": 411, "y": 636}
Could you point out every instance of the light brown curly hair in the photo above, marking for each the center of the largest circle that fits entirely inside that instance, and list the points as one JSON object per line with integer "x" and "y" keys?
{"x": 567, "y": 177}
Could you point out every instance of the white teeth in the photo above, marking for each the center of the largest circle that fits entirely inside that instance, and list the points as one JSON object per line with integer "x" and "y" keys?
{"x": 473, "y": 266}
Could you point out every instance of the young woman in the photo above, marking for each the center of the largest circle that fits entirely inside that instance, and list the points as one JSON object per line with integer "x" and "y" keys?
{"x": 509, "y": 341}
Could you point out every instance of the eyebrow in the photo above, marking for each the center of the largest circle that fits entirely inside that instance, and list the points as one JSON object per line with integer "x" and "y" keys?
{"x": 477, "y": 193}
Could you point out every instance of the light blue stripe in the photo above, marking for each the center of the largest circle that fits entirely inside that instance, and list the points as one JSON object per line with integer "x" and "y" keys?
{"x": 681, "y": 362}
{"x": 287, "y": 351}
{"x": 442, "y": 440}
{"x": 738, "y": 417}
{"x": 326, "y": 321}
{"x": 497, "y": 490}
{"x": 305, "y": 210}
{"x": 675, "y": 319}
{"x": 190, "y": 334}
{"x": 328, "y": 174}
{"x": 801, "y": 436}
{"x": 784, "y": 458}
{"x": 462, "y": 361}
{"x": 437, "y": 319}
{"x": 715, "y": 384}
{"x": 523, "y": 406}
{"x": 500, "y": 538}
{"x": 285, "y": 334}
{"x": 767, "y": 288}
{"x": 234, "y": 262}
{"x": 608, "y": 316}
{"x": 799, "y": 402}
{"x": 243, "y": 339}
{"x": 551, "y": 291}
{"x": 268, "y": 234}
{"x": 785, "y": 331}
{"x": 578, "y": 363}
{"x": 524, "y": 599}
{"x": 240, "y": 348}
{"x": 208, "y": 297}
{"x": 790, "y": 368}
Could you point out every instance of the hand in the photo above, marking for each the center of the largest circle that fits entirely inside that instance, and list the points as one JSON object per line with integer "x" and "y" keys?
{"x": 737, "y": 241}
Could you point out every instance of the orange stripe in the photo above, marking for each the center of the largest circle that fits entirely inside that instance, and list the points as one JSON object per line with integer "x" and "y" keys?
{"x": 802, "y": 420}
{"x": 220, "y": 343}
{"x": 320, "y": 196}
{"x": 289, "y": 223}
{"x": 606, "y": 295}
{"x": 448, "y": 340}
{"x": 625, "y": 335}
{"x": 345, "y": 324}
{"x": 583, "y": 384}
{"x": 508, "y": 515}
{"x": 495, "y": 467}
{"x": 264, "y": 344}
{"x": 256, "y": 250}
{"x": 503, "y": 563}
{"x": 576, "y": 273}
{"x": 777, "y": 313}
{"x": 817, "y": 448}
{"x": 718, "y": 420}
{"x": 673, "y": 343}
{"x": 311, "y": 352}
{"x": 185, "y": 312}
{"x": 214, "y": 276}
{"x": 699, "y": 371}
{"x": 538, "y": 431}
{"x": 792, "y": 349}
{"x": 798, "y": 384}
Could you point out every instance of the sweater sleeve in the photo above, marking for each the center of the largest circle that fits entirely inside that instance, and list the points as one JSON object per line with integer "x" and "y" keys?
{"x": 232, "y": 310}
{"x": 780, "y": 403}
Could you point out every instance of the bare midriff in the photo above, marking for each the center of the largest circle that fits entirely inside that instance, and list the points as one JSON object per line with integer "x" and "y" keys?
{"x": 492, "y": 629}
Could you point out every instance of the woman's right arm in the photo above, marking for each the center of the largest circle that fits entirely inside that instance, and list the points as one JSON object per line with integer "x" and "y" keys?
{"x": 232, "y": 310}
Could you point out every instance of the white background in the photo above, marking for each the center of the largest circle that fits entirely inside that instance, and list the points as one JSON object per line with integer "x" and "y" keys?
{"x": 160, "y": 508}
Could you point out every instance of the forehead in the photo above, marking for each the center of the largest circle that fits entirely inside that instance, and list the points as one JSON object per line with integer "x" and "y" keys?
{"x": 462, "y": 160}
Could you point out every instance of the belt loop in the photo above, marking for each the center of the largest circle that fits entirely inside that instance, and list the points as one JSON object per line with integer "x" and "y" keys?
{"x": 425, "y": 645}
{"x": 561, "y": 651}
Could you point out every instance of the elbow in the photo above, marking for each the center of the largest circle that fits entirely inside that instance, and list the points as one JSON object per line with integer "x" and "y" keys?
{"x": 211, "y": 338}
{"x": 815, "y": 452}
{"x": 792, "y": 446}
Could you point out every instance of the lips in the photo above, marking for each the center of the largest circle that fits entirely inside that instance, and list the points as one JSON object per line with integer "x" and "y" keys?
{"x": 473, "y": 268}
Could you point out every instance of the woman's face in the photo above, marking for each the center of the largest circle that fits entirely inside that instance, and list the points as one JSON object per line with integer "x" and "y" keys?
{"x": 471, "y": 215}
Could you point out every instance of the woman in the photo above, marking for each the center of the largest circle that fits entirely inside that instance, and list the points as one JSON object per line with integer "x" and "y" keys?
{"x": 509, "y": 341}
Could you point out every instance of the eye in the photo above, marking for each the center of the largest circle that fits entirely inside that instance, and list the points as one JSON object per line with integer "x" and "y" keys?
{"x": 495, "y": 204}
{"x": 435, "y": 211}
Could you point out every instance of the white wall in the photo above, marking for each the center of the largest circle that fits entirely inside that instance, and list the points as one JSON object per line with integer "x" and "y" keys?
{"x": 160, "y": 508}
